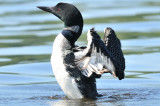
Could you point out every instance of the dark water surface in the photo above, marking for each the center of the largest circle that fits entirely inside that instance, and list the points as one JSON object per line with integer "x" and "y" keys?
{"x": 27, "y": 34}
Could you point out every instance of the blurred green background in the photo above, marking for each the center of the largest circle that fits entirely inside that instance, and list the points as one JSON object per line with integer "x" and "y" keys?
{"x": 27, "y": 34}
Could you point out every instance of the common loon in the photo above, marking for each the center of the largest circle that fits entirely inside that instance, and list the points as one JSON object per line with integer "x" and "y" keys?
{"x": 76, "y": 68}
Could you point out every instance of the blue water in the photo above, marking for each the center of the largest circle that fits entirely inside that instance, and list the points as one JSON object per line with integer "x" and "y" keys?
{"x": 26, "y": 37}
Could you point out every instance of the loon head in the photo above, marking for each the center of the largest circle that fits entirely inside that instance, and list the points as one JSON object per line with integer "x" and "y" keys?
{"x": 69, "y": 14}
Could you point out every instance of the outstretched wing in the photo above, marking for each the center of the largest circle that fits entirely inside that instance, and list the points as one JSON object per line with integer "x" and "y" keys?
{"x": 114, "y": 46}
{"x": 95, "y": 58}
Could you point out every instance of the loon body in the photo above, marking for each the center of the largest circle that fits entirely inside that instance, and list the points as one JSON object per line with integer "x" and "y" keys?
{"x": 76, "y": 68}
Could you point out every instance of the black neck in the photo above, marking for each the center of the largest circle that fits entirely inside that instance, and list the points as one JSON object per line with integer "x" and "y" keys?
{"x": 72, "y": 33}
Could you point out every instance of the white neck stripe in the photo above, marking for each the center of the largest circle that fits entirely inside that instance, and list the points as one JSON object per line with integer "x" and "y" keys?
{"x": 73, "y": 28}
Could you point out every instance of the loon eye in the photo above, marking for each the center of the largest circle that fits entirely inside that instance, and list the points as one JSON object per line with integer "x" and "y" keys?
{"x": 58, "y": 10}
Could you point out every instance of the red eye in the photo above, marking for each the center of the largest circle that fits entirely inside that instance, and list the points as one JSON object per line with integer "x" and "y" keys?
{"x": 58, "y": 10}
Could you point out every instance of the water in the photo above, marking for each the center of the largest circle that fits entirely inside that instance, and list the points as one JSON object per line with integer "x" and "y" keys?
{"x": 27, "y": 34}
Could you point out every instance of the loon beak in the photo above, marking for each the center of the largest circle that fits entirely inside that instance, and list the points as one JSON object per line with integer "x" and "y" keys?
{"x": 47, "y": 9}
{"x": 50, "y": 10}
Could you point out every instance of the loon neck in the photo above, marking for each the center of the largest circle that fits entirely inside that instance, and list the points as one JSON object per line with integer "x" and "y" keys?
{"x": 75, "y": 28}
{"x": 72, "y": 33}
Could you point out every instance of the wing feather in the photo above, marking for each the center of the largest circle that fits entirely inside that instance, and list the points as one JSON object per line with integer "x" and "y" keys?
{"x": 101, "y": 56}
{"x": 96, "y": 57}
{"x": 114, "y": 46}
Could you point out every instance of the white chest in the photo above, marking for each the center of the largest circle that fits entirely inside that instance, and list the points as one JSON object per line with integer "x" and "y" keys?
{"x": 66, "y": 82}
